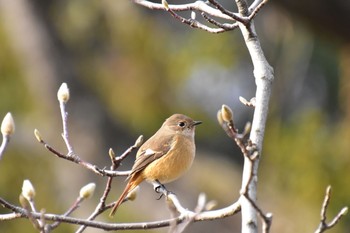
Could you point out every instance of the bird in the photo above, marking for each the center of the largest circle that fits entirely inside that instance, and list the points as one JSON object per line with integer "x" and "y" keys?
{"x": 164, "y": 157}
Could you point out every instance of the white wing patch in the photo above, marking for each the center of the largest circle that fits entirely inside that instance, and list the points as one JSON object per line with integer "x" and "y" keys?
{"x": 149, "y": 152}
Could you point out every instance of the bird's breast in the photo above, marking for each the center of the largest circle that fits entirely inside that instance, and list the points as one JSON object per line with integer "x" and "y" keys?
{"x": 175, "y": 163}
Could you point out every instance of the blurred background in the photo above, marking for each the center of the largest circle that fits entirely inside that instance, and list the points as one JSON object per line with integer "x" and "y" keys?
{"x": 128, "y": 68}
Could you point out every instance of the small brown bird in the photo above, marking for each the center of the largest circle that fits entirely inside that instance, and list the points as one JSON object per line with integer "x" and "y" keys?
{"x": 164, "y": 157}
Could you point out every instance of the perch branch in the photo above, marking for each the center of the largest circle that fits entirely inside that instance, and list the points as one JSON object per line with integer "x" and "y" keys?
{"x": 203, "y": 216}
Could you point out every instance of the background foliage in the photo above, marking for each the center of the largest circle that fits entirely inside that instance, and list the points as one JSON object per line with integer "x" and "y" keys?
{"x": 128, "y": 68}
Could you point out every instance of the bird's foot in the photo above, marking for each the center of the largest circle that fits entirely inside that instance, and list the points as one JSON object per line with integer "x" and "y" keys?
{"x": 160, "y": 188}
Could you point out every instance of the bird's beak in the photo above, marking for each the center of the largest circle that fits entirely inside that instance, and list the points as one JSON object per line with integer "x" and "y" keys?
{"x": 196, "y": 123}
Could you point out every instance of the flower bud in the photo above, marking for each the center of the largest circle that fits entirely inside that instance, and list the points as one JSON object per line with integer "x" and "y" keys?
{"x": 23, "y": 201}
{"x": 8, "y": 125}
{"x": 165, "y": 4}
{"x": 133, "y": 194}
{"x": 227, "y": 114}
{"x": 111, "y": 153}
{"x": 243, "y": 100}
{"x": 193, "y": 15}
{"x": 247, "y": 128}
{"x": 38, "y": 135}
{"x": 219, "y": 117}
{"x": 63, "y": 93}
{"x": 344, "y": 211}
{"x": 87, "y": 191}
{"x": 28, "y": 191}
{"x": 211, "y": 205}
{"x": 139, "y": 141}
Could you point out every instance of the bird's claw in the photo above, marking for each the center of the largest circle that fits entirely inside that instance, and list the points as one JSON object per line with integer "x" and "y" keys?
{"x": 160, "y": 188}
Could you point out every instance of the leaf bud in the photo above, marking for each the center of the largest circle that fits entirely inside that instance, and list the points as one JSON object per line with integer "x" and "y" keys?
{"x": 87, "y": 191}
{"x": 63, "y": 93}
{"x": 219, "y": 117}
{"x": 139, "y": 141}
{"x": 165, "y": 4}
{"x": 227, "y": 114}
{"x": 8, "y": 125}
{"x": 133, "y": 194}
{"x": 38, "y": 135}
{"x": 28, "y": 191}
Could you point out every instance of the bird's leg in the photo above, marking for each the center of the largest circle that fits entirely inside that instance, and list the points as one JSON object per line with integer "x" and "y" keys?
{"x": 160, "y": 188}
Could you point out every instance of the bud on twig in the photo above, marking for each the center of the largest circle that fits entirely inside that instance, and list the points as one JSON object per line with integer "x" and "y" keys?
{"x": 247, "y": 128}
{"x": 344, "y": 211}
{"x": 139, "y": 141}
{"x": 227, "y": 114}
{"x": 87, "y": 191}
{"x": 111, "y": 154}
{"x": 165, "y": 4}
{"x": 193, "y": 15}
{"x": 28, "y": 191}
{"x": 243, "y": 100}
{"x": 63, "y": 93}
{"x": 219, "y": 117}
{"x": 23, "y": 201}
{"x": 133, "y": 194}
{"x": 211, "y": 205}
{"x": 8, "y": 125}
{"x": 38, "y": 135}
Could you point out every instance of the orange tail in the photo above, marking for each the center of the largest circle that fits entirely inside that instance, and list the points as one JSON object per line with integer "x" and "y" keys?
{"x": 133, "y": 182}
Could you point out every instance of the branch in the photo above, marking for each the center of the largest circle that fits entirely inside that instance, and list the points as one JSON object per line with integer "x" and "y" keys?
{"x": 101, "y": 206}
{"x": 234, "y": 16}
{"x": 203, "y": 216}
{"x": 194, "y": 23}
{"x": 225, "y": 26}
{"x": 196, "y": 6}
{"x": 63, "y": 97}
{"x": 251, "y": 155}
{"x": 323, "y": 226}
{"x": 255, "y": 8}
{"x": 76, "y": 159}
{"x": 207, "y": 10}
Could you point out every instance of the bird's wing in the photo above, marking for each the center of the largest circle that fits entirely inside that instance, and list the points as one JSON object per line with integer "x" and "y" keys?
{"x": 147, "y": 155}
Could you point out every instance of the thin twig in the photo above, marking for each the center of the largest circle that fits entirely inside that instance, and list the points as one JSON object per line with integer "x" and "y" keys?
{"x": 194, "y": 23}
{"x": 234, "y": 16}
{"x": 89, "y": 166}
{"x": 256, "y": 9}
{"x": 195, "y": 6}
{"x": 226, "y": 26}
{"x": 65, "y": 135}
{"x": 102, "y": 204}
{"x": 323, "y": 226}
{"x": 75, "y": 206}
{"x": 4, "y": 143}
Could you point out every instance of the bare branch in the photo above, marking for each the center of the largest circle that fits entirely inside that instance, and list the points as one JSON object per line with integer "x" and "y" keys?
{"x": 198, "y": 5}
{"x": 101, "y": 206}
{"x": 323, "y": 226}
{"x": 75, "y": 206}
{"x": 225, "y": 26}
{"x": 6, "y": 217}
{"x": 4, "y": 143}
{"x": 194, "y": 23}
{"x": 77, "y": 160}
{"x": 207, "y": 12}
{"x": 234, "y": 16}
{"x": 255, "y": 9}
{"x": 206, "y": 215}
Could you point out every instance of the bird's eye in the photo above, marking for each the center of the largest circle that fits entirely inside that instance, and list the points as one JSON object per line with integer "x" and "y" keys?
{"x": 181, "y": 124}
